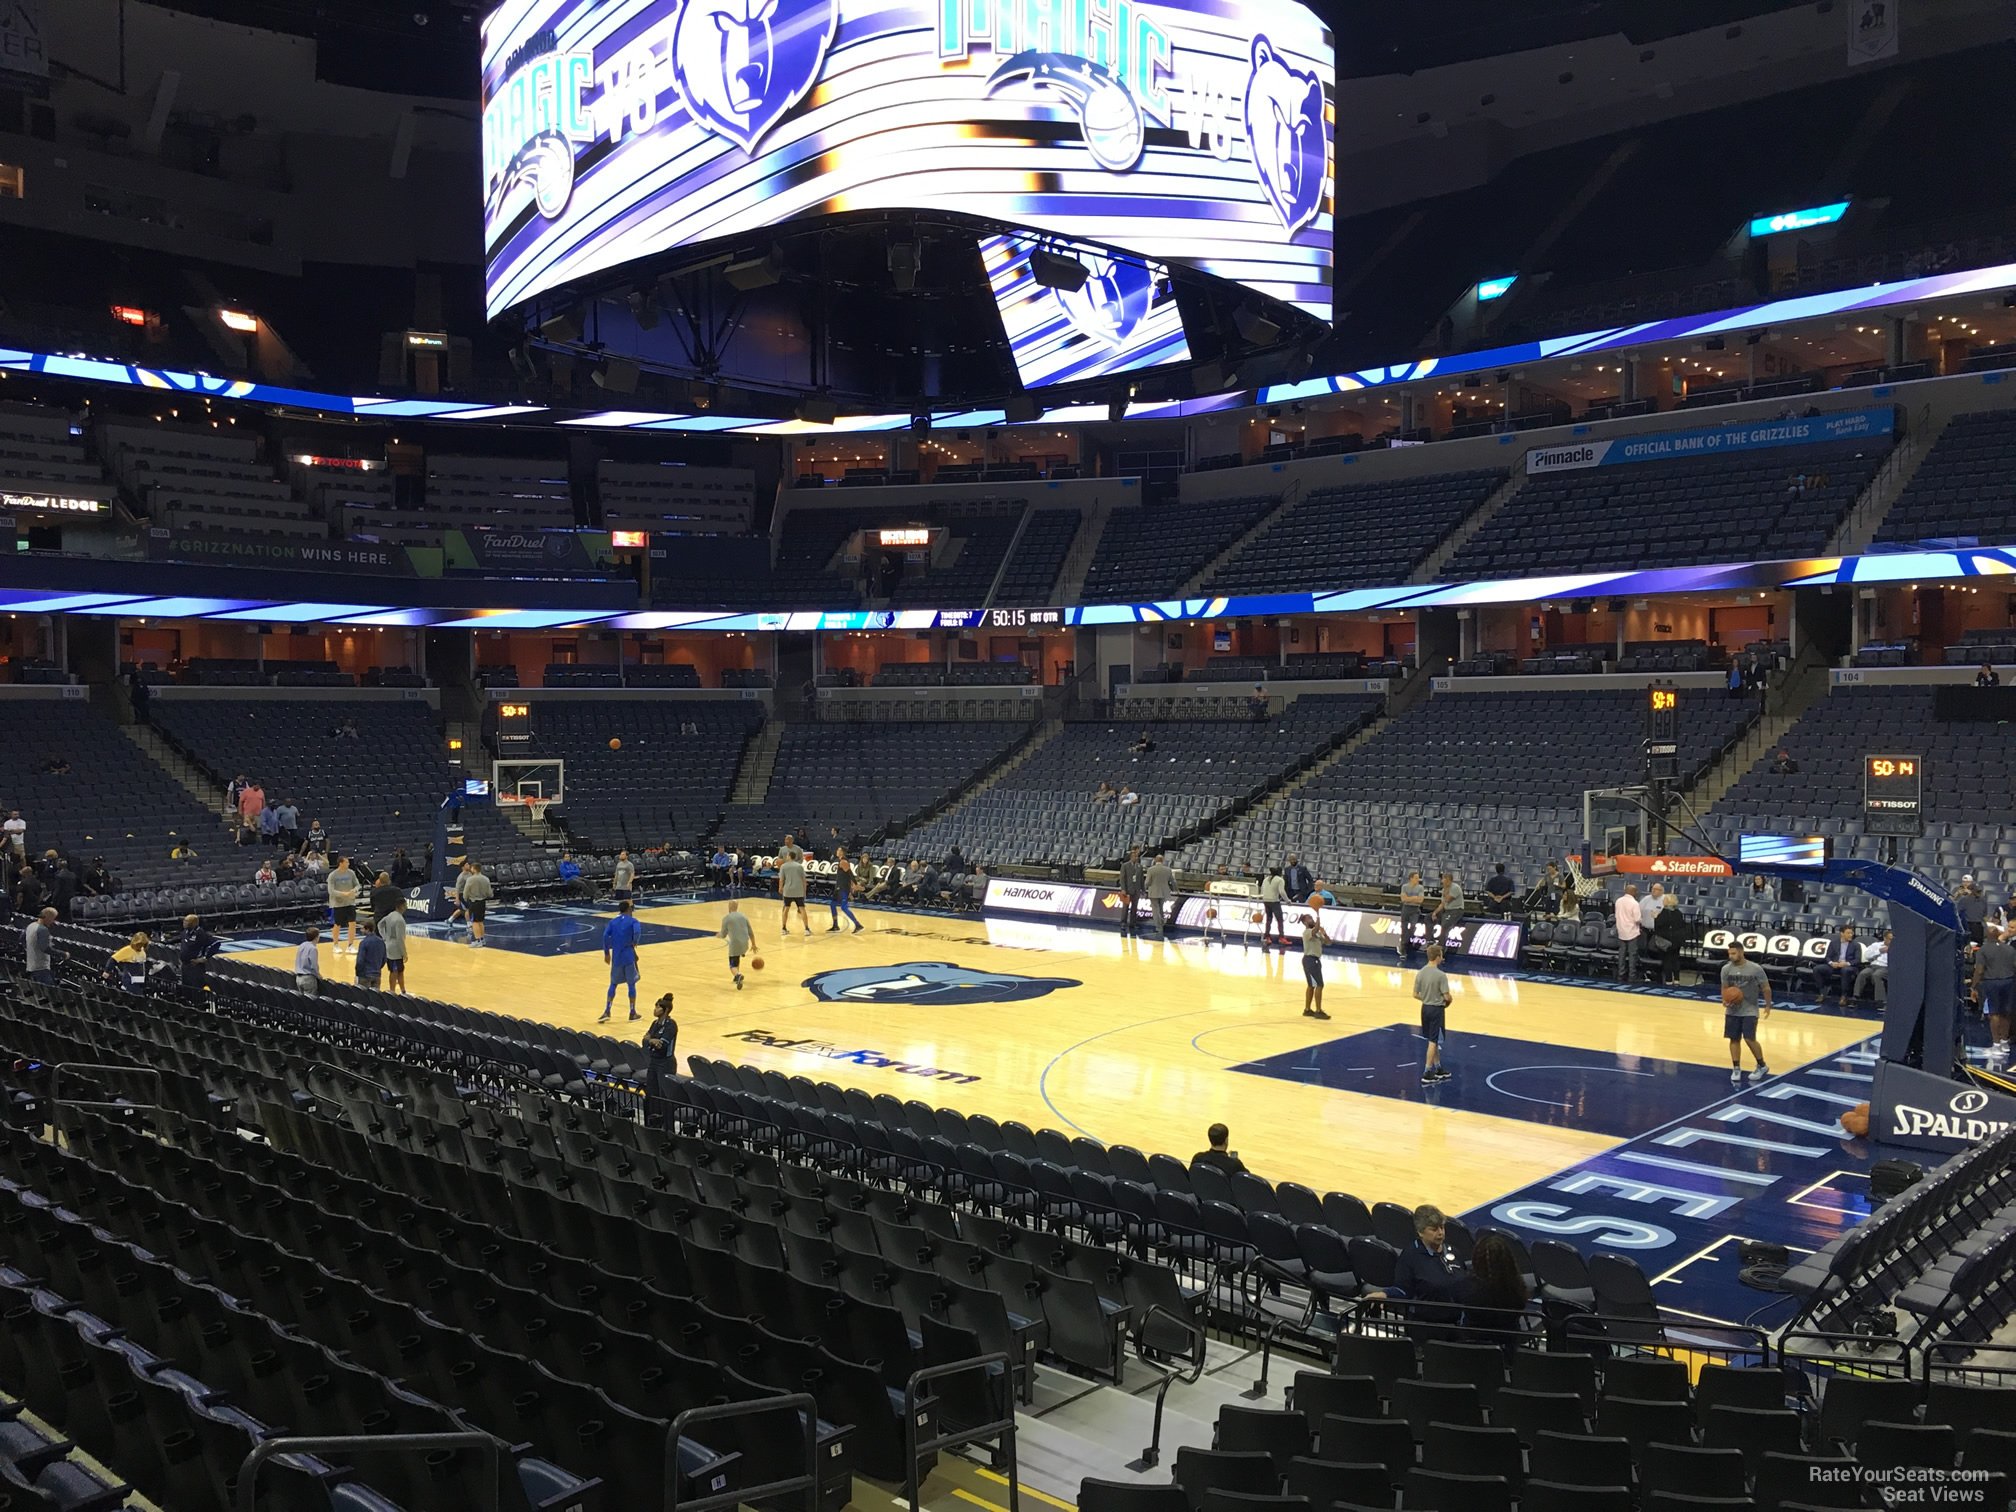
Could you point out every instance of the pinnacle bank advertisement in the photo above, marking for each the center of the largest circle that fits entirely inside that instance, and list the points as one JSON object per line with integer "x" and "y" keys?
{"x": 1196, "y": 132}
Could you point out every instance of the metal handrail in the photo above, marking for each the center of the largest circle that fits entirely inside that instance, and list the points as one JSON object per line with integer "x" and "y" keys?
{"x": 392, "y": 1099}
{"x": 1152, "y": 1455}
{"x": 56, "y": 1081}
{"x": 1001, "y": 1429}
{"x": 808, "y": 1482}
{"x": 246, "y": 1499}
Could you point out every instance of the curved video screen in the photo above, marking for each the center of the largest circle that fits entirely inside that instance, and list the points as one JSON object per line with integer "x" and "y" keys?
{"x": 1194, "y": 132}
{"x": 1120, "y": 317}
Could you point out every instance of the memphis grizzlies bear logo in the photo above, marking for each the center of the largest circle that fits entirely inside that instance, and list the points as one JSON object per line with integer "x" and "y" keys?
{"x": 742, "y": 65}
{"x": 935, "y": 983}
{"x": 1107, "y": 112}
{"x": 1113, "y": 302}
{"x": 1284, "y": 125}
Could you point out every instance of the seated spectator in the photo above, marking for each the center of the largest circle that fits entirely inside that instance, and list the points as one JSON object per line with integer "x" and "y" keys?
{"x": 314, "y": 864}
{"x": 1104, "y": 793}
{"x": 1128, "y": 797}
{"x": 1256, "y": 703}
{"x": 1835, "y": 972}
{"x": 976, "y": 885}
{"x": 955, "y": 863}
{"x": 266, "y": 876}
{"x": 1143, "y": 744}
{"x": 1498, "y": 892}
{"x": 1322, "y": 897}
{"x": 56, "y": 766}
{"x": 182, "y": 850}
{"x": 288, "y": 868}
{"x": 1783, "y": 765}
{"x": 888, "y": 880}
{"x": 718, "y": 866}
{"x": 1494, "y": 1291}
{"x": 1987, "y": 677}
{"x": 570, "y": 874}
{"x": 128, "y": 967}
{"x": 1219, "y": 1138}
{"x": 1873, "y": 980}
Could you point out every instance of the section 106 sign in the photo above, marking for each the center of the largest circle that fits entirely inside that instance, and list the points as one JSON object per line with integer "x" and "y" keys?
{"x": 1188, "y": 131}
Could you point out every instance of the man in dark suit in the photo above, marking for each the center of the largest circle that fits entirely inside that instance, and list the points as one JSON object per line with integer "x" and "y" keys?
{"x": 1218, "y": 1155}
{"x": 1842, "y": 962}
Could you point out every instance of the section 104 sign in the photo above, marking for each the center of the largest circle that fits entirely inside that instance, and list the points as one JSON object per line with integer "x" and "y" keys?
{"x": 1186, "y": 131}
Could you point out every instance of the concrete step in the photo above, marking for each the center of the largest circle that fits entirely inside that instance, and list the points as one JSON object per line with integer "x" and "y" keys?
{"x": 198, "y": 783}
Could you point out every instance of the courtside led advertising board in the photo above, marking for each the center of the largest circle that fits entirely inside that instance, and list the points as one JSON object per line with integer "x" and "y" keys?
{"x": 1186, "y": 131}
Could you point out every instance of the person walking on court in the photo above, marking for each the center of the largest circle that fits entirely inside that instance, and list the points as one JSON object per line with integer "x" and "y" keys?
{"x": 1431, "y": 991}
{"x": 344, "y": 889}
{"x": 1630, "y": 925}
{"x": 1133, "y": 876}
{"x": 1412, "y": 895}
{"x": 1273, "y": 893}
{"x": 1746, "y": 998}
{"x": 741, "y": 937}
{"x": 623, "y": 881}
{"x": 843, "y": 889}
{"x": 1313, "y": 940}
{"x": 619, "y": 952}
{"x": 1160, "y": 883}
{"x": 476, "y": 895}
{"x": 791, "y": 885}
{"x": 391, "y": 925}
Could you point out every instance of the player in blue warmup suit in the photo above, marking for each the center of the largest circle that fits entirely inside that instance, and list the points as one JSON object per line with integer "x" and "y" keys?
{"x": 619, "y": 949}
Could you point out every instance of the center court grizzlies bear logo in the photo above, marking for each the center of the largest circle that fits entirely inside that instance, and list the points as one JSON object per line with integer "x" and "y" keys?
{"x": 1113, "y": 302}
{"x": 933, "y": 983}
{"x": 1107, "y": 112}
{"x": 1284, "y": 125}
{"x": 741, "y": 65}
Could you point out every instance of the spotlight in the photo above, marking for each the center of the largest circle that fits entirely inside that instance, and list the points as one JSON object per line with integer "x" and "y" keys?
{"x": 1052, "y": 271}
{"x": 617, "y": 376}
{"x": 564, "y": 328}
{"x": 1116, "y": 408}
{"x": 643, "y": 309}
{"x": 1253, "y": 326}
{"x": 753, "y": 272}
{"x": 904, "y": 260}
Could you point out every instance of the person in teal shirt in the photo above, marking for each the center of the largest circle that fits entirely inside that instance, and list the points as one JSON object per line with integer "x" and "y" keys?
{"x": 619, "y": 949}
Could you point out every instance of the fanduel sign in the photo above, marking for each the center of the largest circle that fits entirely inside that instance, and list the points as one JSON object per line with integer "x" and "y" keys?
{"x": 1809, "y": 430}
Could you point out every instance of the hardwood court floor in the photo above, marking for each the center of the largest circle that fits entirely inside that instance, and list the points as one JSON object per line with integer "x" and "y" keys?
{"x": 1136, "y": 1042}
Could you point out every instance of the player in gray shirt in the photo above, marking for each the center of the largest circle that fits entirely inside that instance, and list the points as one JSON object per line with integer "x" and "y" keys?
{"x": 1412, "y": 896}
{"x": 1746, "y": 997}
{"x": 624, "y": 878}
{"x": 1431, "y": 991}
{"x": 791, "y": 887}
{"x": 476, "y": 894}
{"x": 741, "y": 937}
{"x": 392, "y": 930}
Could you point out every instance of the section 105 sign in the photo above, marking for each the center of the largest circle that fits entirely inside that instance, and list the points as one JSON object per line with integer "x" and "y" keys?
{"x": 1189, "y": 131}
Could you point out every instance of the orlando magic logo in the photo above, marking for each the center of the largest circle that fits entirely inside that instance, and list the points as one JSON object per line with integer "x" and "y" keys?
{"x": 1114, "y": 300}
{"x": 1107, "y": 112}
{"x": 545, "y": 167}
{"x": 938, "y": 983}
{"x": 741, "y": 65}
{"x": 1284, "y": 125}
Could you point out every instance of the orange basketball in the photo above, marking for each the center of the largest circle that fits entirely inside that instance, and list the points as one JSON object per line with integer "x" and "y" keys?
{"x": 1732, "y": 997}
{"x": 755, "y": 963}
{"x": 615, "y": 744}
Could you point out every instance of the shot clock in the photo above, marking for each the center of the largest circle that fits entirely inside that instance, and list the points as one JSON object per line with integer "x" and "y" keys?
{"x": 1893, "y": 794}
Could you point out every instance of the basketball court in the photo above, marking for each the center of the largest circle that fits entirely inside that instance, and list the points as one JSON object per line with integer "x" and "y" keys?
{"x": 1147, "y": 1043}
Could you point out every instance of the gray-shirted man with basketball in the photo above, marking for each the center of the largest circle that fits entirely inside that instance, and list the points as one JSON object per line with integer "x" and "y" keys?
{"x": 1746, "y": 997}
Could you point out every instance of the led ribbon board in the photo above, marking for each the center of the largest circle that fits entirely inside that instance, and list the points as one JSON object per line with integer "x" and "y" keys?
{"x": 1184, "y": 131}
{"x": 1122, "y": 318}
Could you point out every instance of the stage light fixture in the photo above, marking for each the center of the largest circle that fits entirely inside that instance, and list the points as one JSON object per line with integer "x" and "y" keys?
{"x": 754, "y": 271}
{"x": 904, "y": 260}
{"x": 1052, "y": 270}
{"x": 617, "y": 376}
{"x": 564, "y": 327}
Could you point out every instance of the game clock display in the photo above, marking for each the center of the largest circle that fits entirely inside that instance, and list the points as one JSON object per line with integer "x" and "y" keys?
{"x": 514, "y": 723}
{"x": 1184, "y": 131}
{"x": 1893, "y": 795}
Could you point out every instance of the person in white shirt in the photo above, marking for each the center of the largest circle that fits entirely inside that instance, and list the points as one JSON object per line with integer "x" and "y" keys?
{"x": 16, "y": 831}
{"x": 1630, "y": 924}
{"x": 1649, "y": 906}
{"x": 1875, "y": 973}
